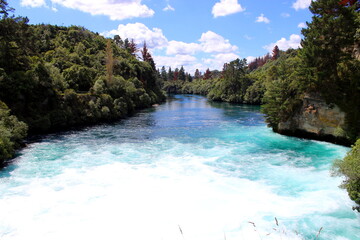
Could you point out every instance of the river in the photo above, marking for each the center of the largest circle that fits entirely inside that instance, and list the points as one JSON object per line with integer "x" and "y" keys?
{"x": 187, "y": 169}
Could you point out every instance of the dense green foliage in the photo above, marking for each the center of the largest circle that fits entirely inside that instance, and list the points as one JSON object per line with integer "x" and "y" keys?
{"x": 12, "y": 131}
{"x": 328, "y": 57}
{"x": 282, "y": 88}
{"x": 53, "y": 78}
{"x": 233, "y": 84}
{"x": 236, "y": 83}
{"x": 350, "y": 168}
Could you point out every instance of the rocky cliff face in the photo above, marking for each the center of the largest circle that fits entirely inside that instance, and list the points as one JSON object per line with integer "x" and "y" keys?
{"x": 316, "y": 120}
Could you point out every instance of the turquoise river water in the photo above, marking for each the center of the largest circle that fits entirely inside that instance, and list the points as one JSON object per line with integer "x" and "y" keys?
{"x": 187, "y": 169}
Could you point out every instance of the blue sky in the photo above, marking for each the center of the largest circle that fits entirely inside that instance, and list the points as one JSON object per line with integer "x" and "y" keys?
{"x": 194, "y": 33}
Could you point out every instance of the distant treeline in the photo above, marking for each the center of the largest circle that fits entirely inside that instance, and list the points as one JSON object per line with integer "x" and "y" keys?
{"x": 327, "y": 65}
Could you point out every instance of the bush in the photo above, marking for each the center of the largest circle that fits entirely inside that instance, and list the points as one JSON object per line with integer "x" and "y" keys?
{"x": 12, "y": 132}
{"x": 350, "y": 168}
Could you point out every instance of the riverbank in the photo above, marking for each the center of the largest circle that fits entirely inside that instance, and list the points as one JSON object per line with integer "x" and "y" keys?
{"x": 208, "y": 167}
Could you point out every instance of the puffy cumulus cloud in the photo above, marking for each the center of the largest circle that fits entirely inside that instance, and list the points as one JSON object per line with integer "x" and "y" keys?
{"x": 302, "y": 25}
{"x": 249, "y": 59}
{"x": 33, "y": 3}
{"x": 176, "y": 61}
{"x": 154, "y": 38}
{"x": 284, "y": 44}
{"x": 262, "y": 18}
{"x": 301, "y": 4}
{"x": 226, "y": 7}
{"x": 168, "y": 8}
{"x": 214, "y": 49}
{"x": 115, "y": 9}
{"x": 182, "y": 48}
{"x": 217, "y": 61}
{"x": 212, "y": 42}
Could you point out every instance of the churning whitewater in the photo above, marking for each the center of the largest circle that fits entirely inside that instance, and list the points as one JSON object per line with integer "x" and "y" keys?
{"x": 188, "y": 169}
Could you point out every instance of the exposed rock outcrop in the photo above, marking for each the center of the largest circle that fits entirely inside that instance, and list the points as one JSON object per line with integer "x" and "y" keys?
{"x": 316, "y": 120}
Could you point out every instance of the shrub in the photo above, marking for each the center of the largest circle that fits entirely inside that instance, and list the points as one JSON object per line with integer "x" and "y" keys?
{"x": 350, "y": 168}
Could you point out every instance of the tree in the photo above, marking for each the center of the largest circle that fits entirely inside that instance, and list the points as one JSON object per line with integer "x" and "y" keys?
{"x": 350, "y": 168}
{"x": 126, "y": 44}
{"x": 12, "y": 132}
{"x": 182, "y": 75}
{"x": 109, "y": 59}
{"x": 328, "y": 60}
{"x": 163, "y": 74}
{"x": 197, "y": 74}
{"x": 275, "y": 53}
{"x": 118, "y": 41}
{"x": 14, "y": 44}
{"x": 176, "y": 74}
{"x": 170, "y": 74}
{"x": 207, "y": 74}
{"x": 348, "y": 2}
{"x": 146, "y": 56}
{"x": 145, "y": 52}
{"x": 5, "y": 9}
{"x": 189, "y": 78}
{"x": 234, "y": 83}
{"x": 132, "y": 47}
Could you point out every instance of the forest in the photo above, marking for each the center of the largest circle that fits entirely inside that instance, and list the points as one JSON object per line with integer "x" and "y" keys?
{"x": 53, "y": 78}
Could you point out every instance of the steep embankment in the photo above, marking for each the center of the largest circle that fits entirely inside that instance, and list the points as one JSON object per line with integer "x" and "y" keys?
{"x": 316, "y": 119}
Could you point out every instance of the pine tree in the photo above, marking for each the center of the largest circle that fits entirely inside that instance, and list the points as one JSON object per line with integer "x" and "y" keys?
{"x": 176, "y": 74}
{"x": 132, "y": 47}
{"x": 207, "y": 74}
{"x": 182, "y": 75}
{"x": 275, "y": 53}
{"x": 327, "y": 54}
{"x": 145, "y": 53}
{"x": 197, "y": 74}
{"x": 109, "y": 62}
{"x": 170, "y": 74}
{"x": 163, "y": 74}
{"x": 189, "y": 78}
{"x": 146, "y": 56}
{"x": 5, "y": 9}
{"x": 118, "y": 41}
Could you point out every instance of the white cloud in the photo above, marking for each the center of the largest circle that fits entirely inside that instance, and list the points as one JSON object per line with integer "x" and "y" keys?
{"x": 180, "y": 53}
{"x": 115, "y": 9}
{"x": 302, "y": 25}
{"x": 176, "y": 61}
{"x": 263, "y": 19}
{"x": 182, "y": 48}
{"x": 212, "y": 42}
{"x": 301, "y": 4}
{"x": 139, "y": 32}
{"x": 284, "y": 44}
{"x": 54, "y": 9}
{"x": 217, "y": 61}
{"x": 285, "y": 15}
{"x": 226, "y": 7}
{"x": 169, "y": 8}
{"x": 249, "y": 59}
{"x": 33, "y": 3}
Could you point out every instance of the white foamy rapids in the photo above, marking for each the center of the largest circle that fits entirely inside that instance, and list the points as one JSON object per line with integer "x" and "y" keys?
{"x": 164, "y": 196}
